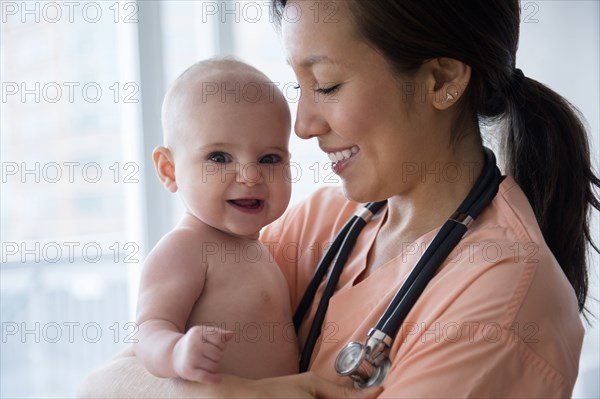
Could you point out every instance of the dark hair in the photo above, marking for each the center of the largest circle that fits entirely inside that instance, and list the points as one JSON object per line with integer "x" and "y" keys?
{"x": 545, "y": 148}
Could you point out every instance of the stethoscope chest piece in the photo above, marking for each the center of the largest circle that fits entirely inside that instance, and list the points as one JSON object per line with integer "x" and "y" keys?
{"x": 366, "y": 364}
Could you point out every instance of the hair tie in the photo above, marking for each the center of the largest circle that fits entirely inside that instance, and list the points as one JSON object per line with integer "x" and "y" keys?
{"x": 517, "y": 77}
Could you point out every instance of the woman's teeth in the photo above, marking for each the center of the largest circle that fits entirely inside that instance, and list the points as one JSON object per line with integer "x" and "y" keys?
{"x": 342, "y": 155}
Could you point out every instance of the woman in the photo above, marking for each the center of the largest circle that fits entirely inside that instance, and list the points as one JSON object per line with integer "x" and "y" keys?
{"x": 395, "y": 92}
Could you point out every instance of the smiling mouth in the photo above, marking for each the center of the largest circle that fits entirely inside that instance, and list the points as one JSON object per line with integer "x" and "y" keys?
{"x": 343, "y": 155}
{"x": 248, "y": 205}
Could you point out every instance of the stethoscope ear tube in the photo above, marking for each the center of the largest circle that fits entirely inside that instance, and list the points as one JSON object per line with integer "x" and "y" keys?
{"x": 448, "y": 237}
{"x": 323, "y": 267}
{"x": 391, "y": 325}
{"x": 424, "y": 273}
{"x": 317, "y": 278}
{"x": 345, "y": 241}
{"x": 332, "y": 281}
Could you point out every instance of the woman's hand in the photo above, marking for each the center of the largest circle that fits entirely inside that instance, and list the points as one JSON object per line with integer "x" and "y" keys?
{"x": 308, "y": 385}
{"x": 126, "y": 377}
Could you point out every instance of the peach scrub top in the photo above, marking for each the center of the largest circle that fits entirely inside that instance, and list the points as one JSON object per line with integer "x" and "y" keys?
{"x": 499, "y": 319}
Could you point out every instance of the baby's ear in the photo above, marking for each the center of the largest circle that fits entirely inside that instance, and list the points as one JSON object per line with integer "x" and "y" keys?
{"x": 165, "y": 168}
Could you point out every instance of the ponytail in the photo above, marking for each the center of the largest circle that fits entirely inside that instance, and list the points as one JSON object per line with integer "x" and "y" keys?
{"x": 546, "y": 151}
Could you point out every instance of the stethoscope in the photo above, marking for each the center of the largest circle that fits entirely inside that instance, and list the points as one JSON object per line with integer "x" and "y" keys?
{"x": 367, "y": 364}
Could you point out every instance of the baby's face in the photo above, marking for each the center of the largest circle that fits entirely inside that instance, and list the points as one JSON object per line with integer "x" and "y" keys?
{"x": 232, "y": 168}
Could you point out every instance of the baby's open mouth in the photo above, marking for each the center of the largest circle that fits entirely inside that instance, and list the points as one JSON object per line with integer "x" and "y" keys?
{"x": 248, "y": 205}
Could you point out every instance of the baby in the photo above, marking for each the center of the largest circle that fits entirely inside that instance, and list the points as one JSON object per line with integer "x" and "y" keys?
{"x": 212, "y": 300}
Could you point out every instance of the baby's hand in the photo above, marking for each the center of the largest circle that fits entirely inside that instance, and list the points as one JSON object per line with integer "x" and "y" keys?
{"x": 197, "y": 354}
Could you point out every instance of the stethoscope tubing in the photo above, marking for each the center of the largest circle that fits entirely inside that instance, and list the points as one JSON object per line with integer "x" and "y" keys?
{"x": 319, "y": 274}
{"x": 346, "y": 247}
{"x": 444, "y": 242}
{"x": 325, "y": 263}
{"x": 449, "y": 235}
{"x": 391, "y": 325}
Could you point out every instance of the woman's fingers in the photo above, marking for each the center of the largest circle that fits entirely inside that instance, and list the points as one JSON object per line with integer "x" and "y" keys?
{"x": 328, "y": 390}
{"x": 204, "y": 376}
{"x": 309, "y": 386}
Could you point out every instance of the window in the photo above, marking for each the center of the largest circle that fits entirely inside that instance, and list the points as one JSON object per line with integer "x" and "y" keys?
{"x": 70, "y": 97}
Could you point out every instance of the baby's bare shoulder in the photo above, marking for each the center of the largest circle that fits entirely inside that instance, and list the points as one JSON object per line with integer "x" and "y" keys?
{"x": 181, "y": 248}
{"x": 186, "y": 237}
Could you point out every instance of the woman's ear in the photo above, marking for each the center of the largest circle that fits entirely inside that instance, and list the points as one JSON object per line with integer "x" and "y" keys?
{"x": 165, "y": 168}
{"x": 451, "y": 80}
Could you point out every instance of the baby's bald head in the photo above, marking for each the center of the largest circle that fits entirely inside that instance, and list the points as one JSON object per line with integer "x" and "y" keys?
{"x": 214, "y": 82}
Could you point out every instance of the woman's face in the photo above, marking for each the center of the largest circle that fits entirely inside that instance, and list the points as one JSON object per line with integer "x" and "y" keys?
{"x": 376, "y": 128}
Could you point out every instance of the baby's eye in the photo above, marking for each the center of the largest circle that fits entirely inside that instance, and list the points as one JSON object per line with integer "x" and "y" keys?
{"x": 271, "y": 158}
{"x": 219, "y": 157}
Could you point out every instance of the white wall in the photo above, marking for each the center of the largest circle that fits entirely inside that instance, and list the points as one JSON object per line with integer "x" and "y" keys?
{"x": 561, "y": 49}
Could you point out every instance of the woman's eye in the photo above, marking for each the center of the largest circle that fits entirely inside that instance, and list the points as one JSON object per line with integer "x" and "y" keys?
{"x": 327, "y": 90}
{"x": 219, "y": 157}
{"x": 296, "y": 86}
{"x": 271, "y": 158}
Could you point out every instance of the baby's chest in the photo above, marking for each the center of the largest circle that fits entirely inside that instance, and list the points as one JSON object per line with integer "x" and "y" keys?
{"x": 246, "y": 281}
{"x": 242, "y": 290}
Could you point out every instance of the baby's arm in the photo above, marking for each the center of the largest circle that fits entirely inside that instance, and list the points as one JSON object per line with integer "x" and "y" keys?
{"x": 172, "y": 280}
